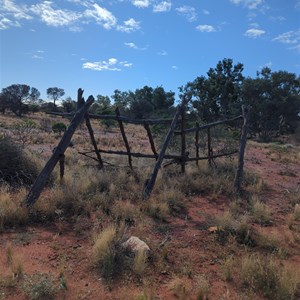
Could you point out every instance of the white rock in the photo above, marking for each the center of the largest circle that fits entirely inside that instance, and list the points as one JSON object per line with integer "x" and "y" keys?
{"x": 135, "y": 244}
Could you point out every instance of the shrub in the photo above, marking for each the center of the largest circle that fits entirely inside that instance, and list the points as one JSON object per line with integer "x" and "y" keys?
{"x": 108, "y": 254}
{"x": 25, "y": 131}
{"x": 39, "y": 286}
{"x": 261, "y": 213}
{"x": 16, "y": 167}
{"x": 59, "y": 128}
{"x": 265, "y": 276}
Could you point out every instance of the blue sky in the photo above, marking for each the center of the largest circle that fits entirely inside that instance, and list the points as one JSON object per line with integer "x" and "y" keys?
{"x": 101, "y": 46}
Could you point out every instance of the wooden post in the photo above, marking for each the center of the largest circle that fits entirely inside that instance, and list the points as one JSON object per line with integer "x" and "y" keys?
{"x": 209, "y": 149}
{"x": 80, "y": 103}
{"x": 124, "y": 138}
{"x": 243, "y": 140}
{"x": 94, "y": 143}
{"x": 151, "y": 181}
{"x": 62, "y": 166}
{"x": 150, "y": 137}
{"x": 183, "y": 144}
{"x": 197, "y": 142}
{"x": 42, "y": 178}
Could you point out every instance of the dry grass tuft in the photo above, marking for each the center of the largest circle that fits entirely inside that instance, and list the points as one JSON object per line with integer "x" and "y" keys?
{"x": 266, "y": 277}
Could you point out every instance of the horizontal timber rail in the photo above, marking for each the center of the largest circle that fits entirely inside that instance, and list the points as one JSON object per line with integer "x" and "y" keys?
{"x": 194, "y": 129}
{"x": 167, "y": 156}
{"x": 119, "y": 118}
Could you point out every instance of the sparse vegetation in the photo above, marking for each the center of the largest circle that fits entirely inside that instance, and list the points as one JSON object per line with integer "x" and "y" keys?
{"x": 39, "y": 286}
{"x": 175, "y": 221}
{"x": 266, "y": 277}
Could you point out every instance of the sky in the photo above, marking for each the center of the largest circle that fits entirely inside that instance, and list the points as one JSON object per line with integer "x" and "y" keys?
{"x": 105, "y": 45}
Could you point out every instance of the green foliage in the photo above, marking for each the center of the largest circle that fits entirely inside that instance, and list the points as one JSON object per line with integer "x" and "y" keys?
{"x": 55, "y": 93}
{"x": 16, "y": 167}
{"x": 59, "y": 127}
{"x": 24, "y": 131}
{"x": 14, "y": 97}
{"x": 39, "y": 286}
{"x": 274, "y": 100}
{"x": 218, "y": 95}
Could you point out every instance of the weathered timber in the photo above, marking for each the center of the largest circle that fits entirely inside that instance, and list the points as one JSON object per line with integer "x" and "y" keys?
{"x": 209, "y": 148}
{"x": 124, "y": 138}
{"x": 193, "y": 129}
{"x": 151, "y": 181}
{"x": 243, "y": 140}
{"x": 42, "y": 178}
{"x": 62, "y": 166}
{"x": 133, "y": 154}
{"x": 119, "y": 118}
{"x": 183, "y": 142}
{"x": 197, "y": 142}
{"x": 93, "y": 140}
{"x": 151, "y": 141}
{"x": 212, "y": 156}
{"x": 80, "y": 103}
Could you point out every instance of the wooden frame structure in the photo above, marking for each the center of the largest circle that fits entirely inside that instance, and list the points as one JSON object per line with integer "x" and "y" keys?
{"x": 178, "y": 119}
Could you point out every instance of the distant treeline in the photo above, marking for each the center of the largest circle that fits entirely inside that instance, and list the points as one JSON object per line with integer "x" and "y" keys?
{"x": 273, "y": 99}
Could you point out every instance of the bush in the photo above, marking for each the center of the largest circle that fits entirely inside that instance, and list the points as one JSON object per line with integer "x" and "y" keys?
{"x": 59, "y": 128}
{"x": 108, "y": 254}
{"x": 268, "y": 278}
{"x": 39, "y": 286}
{"x": 16, "y": 167}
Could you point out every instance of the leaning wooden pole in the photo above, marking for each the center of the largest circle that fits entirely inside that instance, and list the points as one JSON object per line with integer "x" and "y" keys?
{"x": 151, "y": 141}
{"x": 151, "y": 181}
{"x": 80, "y": 103}
{"x": 93, "y": 140}
{"x": 124, "y": 138}
{"x": 42, "y": 178}
{"x": 243, "y": 140}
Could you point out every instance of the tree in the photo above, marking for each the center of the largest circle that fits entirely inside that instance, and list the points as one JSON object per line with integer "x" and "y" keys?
{"x": 162, "y": 99}
{"x": 69, "y": 105}
{"x": 219, "y": 94}
{"x": 15, "y": 97}
{"x": 121, "y": 100}
{"x": 55, "y": 93}
{"x": 274, "y": 98}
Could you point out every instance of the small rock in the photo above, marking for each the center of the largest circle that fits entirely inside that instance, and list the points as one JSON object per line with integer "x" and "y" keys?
{"x": 134, "y": 244}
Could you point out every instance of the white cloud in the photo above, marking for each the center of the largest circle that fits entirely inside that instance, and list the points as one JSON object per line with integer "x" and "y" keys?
{"x": 290, "y": 37}
{"x": 11, "y": 14}
{"x": 174, "y": 67}
{"x": 162, "y": 53}
{"x": 188, "y": 12}
{"x": 126, "y": 64}
{"x": 205, "y": 28}
{"x": 111, "y": 65}
{"x": 102, "y": 16}
{"x": 15, "y": 10}
{"x": 36, "y": 56}
{"x": 6, "y": 23}
{"x": 162, "y": 7}
{"x": 278, "y": 19}
{"x": 254, "y": 32}
{"x": 140, "y": 3}
{"x": 54, "y": 17}
{"x": 133, "y": 46}
{"x": 130, "y": 25}
{"x": 206, "y": 12}
{"x": 250, "y": 4}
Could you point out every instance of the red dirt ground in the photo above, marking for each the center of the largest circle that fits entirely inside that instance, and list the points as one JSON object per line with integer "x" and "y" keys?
{"x": 59, "y": 247}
